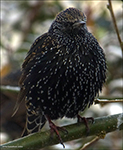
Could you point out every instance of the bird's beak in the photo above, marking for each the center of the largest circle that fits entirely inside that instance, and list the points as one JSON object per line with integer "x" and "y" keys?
{"x": 78, "y": 24}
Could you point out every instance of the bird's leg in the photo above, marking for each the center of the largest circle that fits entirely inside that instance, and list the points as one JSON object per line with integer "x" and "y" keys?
{"x": 85, "y": 120}
{"x": 55, "y": 129}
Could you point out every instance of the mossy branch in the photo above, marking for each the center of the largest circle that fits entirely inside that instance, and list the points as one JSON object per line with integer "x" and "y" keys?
{"x": 100, "y": 127}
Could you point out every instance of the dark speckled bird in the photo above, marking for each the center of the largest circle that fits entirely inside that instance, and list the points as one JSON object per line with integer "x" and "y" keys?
{"x": 64, "y": 70}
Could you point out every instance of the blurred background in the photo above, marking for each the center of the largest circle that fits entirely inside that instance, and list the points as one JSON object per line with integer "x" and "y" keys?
{"x": 21, "y": 23}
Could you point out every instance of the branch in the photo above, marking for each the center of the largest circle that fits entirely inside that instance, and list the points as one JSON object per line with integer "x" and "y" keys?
{"x": 100, "y": 127}
{"x": 11, "y": 89}
{"x": 105, "y": 101}
{"x": 90, "y": 143}
{"x": 109, "y": 98}
{"x": 109, "y": 6}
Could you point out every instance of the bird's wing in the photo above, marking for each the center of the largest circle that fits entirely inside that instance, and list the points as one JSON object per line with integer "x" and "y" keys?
{"x": 28, "y": 62}
{"x": 36, "y": 46}
{"x": 34, "y": 122}
{"x": 42, "y": 57}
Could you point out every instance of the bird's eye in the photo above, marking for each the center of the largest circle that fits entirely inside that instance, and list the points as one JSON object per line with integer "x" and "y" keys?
{"x": 68, "y": 24}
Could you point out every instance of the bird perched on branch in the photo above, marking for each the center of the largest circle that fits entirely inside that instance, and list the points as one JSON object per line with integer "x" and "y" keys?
{"x": 64, "y": 70}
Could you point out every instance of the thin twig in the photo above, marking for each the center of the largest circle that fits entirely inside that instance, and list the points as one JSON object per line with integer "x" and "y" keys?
{"x": 109, "y": 6}
{"x": 97, "y": 101}
{"x": 110, "y": 98}
{"x": 90, "y": 143}
{"x": 10, "y": 89}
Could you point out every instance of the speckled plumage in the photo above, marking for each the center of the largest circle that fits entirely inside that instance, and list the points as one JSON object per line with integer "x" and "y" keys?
{"x": 63, "y": 71}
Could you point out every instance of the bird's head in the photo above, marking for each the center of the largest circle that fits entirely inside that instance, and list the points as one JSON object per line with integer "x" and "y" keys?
{"x": 69, "y": 21}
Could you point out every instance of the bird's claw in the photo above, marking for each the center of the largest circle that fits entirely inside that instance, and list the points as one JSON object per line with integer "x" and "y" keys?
{"x": 56, "y": 129}
{"x": 85, "y": 120}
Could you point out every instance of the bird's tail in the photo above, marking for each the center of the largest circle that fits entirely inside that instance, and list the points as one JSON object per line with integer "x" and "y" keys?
{"x": 34, "y": 123}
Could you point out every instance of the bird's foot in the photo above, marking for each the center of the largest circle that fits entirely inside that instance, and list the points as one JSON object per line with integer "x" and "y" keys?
{"x": 85, "y": 120}
{"x": 56, "y": 129}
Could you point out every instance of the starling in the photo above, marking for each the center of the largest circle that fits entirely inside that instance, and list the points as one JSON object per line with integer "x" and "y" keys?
{"x": 64, "y": 70}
